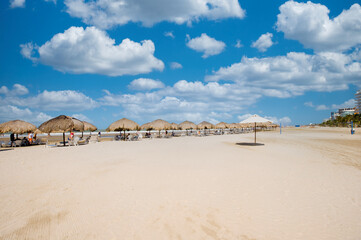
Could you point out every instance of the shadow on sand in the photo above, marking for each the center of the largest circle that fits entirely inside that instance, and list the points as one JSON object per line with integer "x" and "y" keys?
{"x": 249, "y": 144}
{"x": 6, "y": 149}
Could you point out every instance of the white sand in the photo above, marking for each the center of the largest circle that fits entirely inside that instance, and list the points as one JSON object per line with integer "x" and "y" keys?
{"x": 303, "y": 184}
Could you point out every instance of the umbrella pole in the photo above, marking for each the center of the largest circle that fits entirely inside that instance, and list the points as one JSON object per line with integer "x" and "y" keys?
{"x": 64, "y": 138}
{"x": 82, "y": 134}
{"x": 255, "y": 132}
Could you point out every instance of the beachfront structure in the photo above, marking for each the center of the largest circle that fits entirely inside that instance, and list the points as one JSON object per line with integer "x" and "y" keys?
{"x": 358, "y": 101}
{"x": 342, "y": 112}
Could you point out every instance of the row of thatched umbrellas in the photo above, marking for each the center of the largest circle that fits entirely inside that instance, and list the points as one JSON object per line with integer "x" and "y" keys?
{"x": 60, "y": 124}
{"x": 64, "y": 124}
{"x": 159, "y": 124}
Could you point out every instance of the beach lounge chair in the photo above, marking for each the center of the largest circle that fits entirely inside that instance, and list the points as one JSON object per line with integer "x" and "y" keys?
{"x": 93, "y": 139}
{"x": 5, "y": 144}
{"x": 51, "y": 144}
{"x": 84, "y": 141}
{"x": 74, "y": 141}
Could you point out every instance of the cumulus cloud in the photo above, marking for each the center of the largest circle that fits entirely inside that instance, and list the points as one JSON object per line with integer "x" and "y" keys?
{"x": 293, "y": 74}
{"x": 169, "y": 34}
{"x": 106, "y": 14}
{"x": 81, "y": 117}
{"x": 238, "y": 44}
{"x": 90, "y": 50}
{"x": 145, "y": 84}
{"x": 207, "y": 45}
{"x": 17, "y": 90}
{"x": 351, "y": 103}
{"x": 317, "y": 107}
{"x": 347, "y": 104}
{"x": 264, "y": 42}
{"x": 68, "y": 100}
{"x": 10, "y": 112}
{"x": 17, "y": 3}
{"x": 195, "y": 101}
{"x": 309, "y": 23}
{"x": 175, "y": 65}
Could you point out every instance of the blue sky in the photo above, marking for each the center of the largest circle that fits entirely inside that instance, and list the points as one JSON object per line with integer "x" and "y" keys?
{"x": 291, "y": 61}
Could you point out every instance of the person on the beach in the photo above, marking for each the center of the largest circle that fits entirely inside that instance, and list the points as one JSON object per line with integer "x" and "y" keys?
{"x": 30, "y": 137}
{"x": 24, "y": 142}
{"x": 12, "y": 139}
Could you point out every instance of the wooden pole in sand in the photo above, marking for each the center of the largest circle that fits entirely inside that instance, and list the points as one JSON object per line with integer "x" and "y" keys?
{"x": 255, "y": 130}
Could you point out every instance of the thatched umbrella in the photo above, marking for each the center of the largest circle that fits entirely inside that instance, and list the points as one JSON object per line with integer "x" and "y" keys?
{"x": 88, "y": 127}
{"x": 62, "y": 124}
{"x": 221, "y": 125}
{"x": 123, "y": 124}
{"x": 17, "y": 127}
{"x": 187, "y": 125}
{"x": 256, "y": 120}
{"x": 174, "y": 126}
{"x": 205, "y": 125}
{"x": 233, "y": 125}
{"x": 158, "y": 124}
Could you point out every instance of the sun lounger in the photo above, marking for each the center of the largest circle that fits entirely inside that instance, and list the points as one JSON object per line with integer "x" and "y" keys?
{"x": 51, "y": 144}
{"x": 5, "y": 144}
{"x": 83, "y": 141}
{"x": 93, "y": 139}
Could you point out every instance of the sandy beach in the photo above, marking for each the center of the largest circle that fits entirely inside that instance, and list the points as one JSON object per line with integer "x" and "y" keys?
{"x": 302, "y": 184}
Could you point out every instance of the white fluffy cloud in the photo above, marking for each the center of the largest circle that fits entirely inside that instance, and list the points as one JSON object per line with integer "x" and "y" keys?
{"x": 351, "y": 103}
{"x": 108, "y": 13}
{"x": 169, "y": 34}
{"x": 264, "y": 42}
{"x": 90, "y": 50}
{"x": 194, "y": 101}
{"x": 17, "y": 3}
{"x": 68, "y": 100}
{"x": 347, "y": 104}
{"x": 10, "y": 112}
{"x": 145, "y": 84}
{"x": 207, "y": 45}
{"x": 309, "y": 23}
{"x": 175, "y": 65}
{"x": 238, "y": 44}
{"x": 81, "y": 117}
{"x": 293, "y": 74}
{"x": 17, "y": 90}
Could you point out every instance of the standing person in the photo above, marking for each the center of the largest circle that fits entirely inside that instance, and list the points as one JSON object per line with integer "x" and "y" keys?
{"x": 12, "y": 139}
{"x": 30, "y": 137}
{"x": 71, "y": 135}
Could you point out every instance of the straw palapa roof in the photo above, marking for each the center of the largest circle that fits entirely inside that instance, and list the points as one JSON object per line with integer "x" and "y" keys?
{"x": 17, "y": 127}
{"x": 233, "y": 125}
{"x": 204, "y": 125}
{"x": 221, "y": 125}
{"x": 123, "y": 124}
{"x": 187, "y": 125}
{"x": 174, "y": 126}
{"x": 158, "y": 124}
{"x": 89, "y": 126}
{"x": 62, "y": 123}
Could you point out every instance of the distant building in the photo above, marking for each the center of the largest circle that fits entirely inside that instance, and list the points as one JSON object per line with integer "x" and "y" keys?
{"x": 342, "y": 112}
{"x": 346, "y": 111}
{"x": 358, "y": 101}
{"x": 334, "y": 115}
